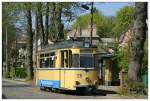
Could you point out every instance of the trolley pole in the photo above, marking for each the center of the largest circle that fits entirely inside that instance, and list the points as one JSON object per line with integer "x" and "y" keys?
{"x": 91, "y": 33}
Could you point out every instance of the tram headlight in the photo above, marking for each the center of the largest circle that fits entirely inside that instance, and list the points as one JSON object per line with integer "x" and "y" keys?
{"x": 88, "y": 80}
{"x": 77, "y": 83}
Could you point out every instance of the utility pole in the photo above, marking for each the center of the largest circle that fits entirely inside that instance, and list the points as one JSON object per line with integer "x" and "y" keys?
{"x": 6, "y": 68}
{"x": 91, "y": 33}
{"x": 36, "y": 43}
{"x": 91, "y": 25}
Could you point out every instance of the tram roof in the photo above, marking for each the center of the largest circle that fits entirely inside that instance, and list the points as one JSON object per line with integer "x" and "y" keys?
{"x": 65, "y": 44}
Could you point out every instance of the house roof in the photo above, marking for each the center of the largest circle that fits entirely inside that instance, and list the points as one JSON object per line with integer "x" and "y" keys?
{"x": 109, "y": 40}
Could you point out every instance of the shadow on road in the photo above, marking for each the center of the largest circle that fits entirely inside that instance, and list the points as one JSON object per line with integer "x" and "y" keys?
{"x": 95, "y": 93}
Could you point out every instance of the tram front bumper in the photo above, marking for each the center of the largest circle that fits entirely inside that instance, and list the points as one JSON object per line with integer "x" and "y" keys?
{"x": 85, "y": 86}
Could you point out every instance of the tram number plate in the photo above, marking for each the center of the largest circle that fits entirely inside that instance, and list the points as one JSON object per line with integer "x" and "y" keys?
{"x": 46, "y": 82}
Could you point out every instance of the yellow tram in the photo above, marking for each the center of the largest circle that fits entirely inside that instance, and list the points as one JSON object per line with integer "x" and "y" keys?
{"x": 67, "y": 65}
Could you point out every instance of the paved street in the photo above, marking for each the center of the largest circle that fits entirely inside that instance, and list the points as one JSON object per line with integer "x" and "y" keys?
{"x": 22, "y": 90}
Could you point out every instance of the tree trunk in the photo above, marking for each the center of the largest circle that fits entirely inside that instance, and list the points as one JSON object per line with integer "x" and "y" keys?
{"x": 137, "y": 44}
{"x": 36, "y": 39}
{"x": 41, "y": 23}
{"x": 59, "y": 24}
{"x": 36, "y": 34}
{"x": 30, "y": 43}
{"x": 46, "y": 23}
{"x": 52, "y": 22}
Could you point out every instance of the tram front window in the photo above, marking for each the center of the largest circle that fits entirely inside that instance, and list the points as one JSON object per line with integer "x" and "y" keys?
{"x": 86, "y": 60}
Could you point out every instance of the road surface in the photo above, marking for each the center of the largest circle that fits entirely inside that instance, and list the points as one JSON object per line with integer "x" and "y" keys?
{"x": 22, "y": 90}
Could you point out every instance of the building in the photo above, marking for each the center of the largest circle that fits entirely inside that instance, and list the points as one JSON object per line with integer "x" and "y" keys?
{"x": 125, "y": 38}
{"x": 21, "y": 44}
{"x": 84, "y": 34}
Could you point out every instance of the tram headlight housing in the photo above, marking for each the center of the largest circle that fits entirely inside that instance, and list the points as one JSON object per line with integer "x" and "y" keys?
{"x": 79, "y": 75}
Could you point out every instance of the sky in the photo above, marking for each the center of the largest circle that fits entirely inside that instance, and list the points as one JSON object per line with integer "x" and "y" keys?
{"x": 108, "y": 9}
{"x": 111, "y": 8}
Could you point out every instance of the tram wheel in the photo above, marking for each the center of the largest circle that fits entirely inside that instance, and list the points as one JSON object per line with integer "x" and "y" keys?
{"x": 84, "y": 90}
{"x": 88, "y": 90}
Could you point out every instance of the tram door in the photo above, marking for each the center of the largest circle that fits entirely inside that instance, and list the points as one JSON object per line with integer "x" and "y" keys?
{"x": 101, "y": 70}
{"x": 64, "y": 66}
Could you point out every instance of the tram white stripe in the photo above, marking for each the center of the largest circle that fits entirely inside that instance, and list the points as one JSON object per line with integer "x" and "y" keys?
{"x": 66, "y": 69}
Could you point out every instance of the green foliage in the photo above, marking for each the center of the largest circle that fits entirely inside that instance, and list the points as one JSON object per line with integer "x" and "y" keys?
{"x": 70, "y": 10}
{"x": 145, "y": 58}
{"x": 8, "y": 26}
{"x": 124, "y": 18}
{"x": 122, "y": 58}
{"x": 12, "y": 72}
{"x": 103, "y": 24}
{"x": 21, "y": 72}
{"x": 7, "y": 75}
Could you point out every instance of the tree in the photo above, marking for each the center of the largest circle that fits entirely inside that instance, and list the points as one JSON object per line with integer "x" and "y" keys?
{"x": 137, "y": 43}
{"x": 9, "y": 19}
{"x": 103, "y": 24}
{"x": 30, "y": 43}
{"x": 59, "y": 12}
{"x": 123, "y": 20}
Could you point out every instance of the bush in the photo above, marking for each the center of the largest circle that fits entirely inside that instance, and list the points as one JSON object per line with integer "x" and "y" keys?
{"x": 21, "y": 72}
{"x": 7, "y": 75}
{"x": 12, "y": 72}
{"x": 133, "y": 89}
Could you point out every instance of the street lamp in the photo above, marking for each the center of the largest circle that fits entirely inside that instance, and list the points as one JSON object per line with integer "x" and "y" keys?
{"x": 91, "y": 31}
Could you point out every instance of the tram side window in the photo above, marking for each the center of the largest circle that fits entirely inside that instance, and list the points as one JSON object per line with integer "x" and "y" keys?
{"x": 44, "y": 63}
{"x": 62, "y": 59}
{"x": 70, "y": 58}
{"x": 52, "y": 62}
{"x": 47, "y": 60}
{"x": 66, "y": 58}
{"x": 75, "y": 60}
